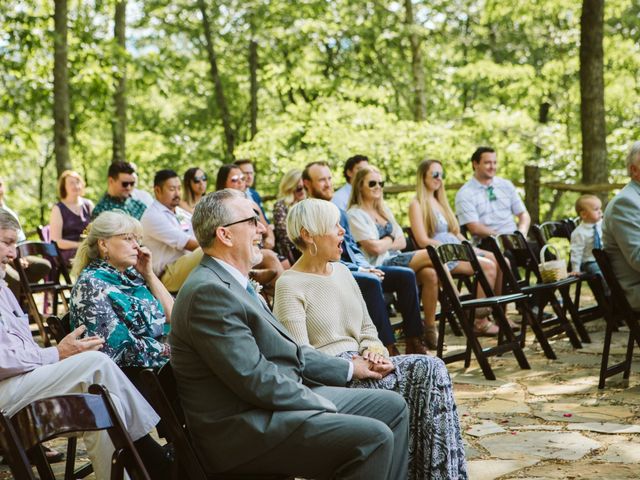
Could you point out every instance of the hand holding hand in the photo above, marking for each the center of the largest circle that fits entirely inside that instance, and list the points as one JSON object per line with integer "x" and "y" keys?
{"x": 373, "y": 357}
{"x": 362, "y": 369}
{"x": 72, "y": 344}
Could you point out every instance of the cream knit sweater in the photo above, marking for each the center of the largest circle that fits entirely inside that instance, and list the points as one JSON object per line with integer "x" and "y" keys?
{"x": 326, "y": 312}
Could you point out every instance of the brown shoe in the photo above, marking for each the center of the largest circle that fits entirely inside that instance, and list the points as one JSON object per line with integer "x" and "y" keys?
{"x": 415, "y": 346}
{"x": 431, "y": 337}
{"x": 393, "y": 350}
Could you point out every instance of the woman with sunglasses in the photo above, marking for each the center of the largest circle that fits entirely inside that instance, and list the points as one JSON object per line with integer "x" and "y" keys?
{"x": 71, "y": 215}
{"x": 321, "y": 305}
{"x": 290, "y": 192}
{"x": 434, "y": 223}
{"x": 381, "y": 239}
{"x": 118, "y": 297}
{"x": 194, "y": 186}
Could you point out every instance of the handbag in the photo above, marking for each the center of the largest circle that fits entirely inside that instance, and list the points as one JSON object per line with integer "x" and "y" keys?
{"x": 552, "y": 270}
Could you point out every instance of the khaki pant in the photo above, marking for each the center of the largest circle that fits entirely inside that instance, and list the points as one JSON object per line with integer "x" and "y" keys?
{"x": 177, "y": 272}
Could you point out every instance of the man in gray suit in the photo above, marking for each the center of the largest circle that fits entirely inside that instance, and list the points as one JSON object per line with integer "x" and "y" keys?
{"x": 621, "y": 231}
{"x": 254, "y": 400}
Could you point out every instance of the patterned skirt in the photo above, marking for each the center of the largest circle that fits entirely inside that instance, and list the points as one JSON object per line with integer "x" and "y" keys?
{"x": 436, "y": 450}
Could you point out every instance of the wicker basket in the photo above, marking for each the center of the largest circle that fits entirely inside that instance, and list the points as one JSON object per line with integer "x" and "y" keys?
{"x": 553, "y": 270}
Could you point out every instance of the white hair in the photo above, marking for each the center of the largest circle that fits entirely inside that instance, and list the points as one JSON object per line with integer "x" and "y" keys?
{"x": 316, "y": 216}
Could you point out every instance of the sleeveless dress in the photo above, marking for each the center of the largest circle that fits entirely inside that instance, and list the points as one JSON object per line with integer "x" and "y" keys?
{"x": 396, "y": 258}
{"x": 72, "y": 226}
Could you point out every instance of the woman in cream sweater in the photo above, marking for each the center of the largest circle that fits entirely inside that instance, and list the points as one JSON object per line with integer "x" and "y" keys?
{"x": 319, "y": 302}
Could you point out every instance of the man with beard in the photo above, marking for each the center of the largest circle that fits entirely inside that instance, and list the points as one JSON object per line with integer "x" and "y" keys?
{"x": 254, "y": 400}
{"x": 168, "y": 233}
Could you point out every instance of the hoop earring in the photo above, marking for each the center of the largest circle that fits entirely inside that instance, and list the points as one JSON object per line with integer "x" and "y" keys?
{"x": 313, "y": 254}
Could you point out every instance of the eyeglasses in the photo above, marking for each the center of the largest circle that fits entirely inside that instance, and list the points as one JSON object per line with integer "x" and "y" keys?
{"x": 9, "y": 244}
{"x": 237, "y": 178}
{"x": 439, "y": 175}
{"x": 203, "y": 178}
{"x": 254, "y": 219}
{"x": 128, "y": 237}
{"x": 374, "y": 183}
{"x": 491, "y": 194}
{"x": 128, "y": 184}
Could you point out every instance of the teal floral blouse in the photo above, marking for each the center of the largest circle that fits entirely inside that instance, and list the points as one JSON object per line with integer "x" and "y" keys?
{"x": 120, "y": 308}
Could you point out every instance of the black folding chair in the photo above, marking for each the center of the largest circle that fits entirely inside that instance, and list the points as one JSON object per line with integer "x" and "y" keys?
{"x": 616, "y": 300}
{"x": 545, "y": 293}
{"x": 49, "y": 418}
{"x": 163, "y": 393}
{"x": 464, "y": 310}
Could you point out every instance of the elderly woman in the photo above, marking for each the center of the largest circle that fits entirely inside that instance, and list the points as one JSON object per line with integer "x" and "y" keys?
{"x": 290, "y": 191}
{"x": 381, "y": 238}
{"x": 71, "y": 215}
{"x": 194, "y": 186}
{"x": 434, "y": 223}
{"x": 117, "y": 295}
{"x": 320, "y": 303}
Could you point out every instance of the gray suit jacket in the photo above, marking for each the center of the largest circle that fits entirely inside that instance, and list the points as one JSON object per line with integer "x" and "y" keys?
{"x": 243, "y": 382}
{"x": 621, "y": 239}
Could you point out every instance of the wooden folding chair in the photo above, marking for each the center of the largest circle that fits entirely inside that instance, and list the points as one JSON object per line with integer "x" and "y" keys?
{"x": 623, "y": 309}
{"x": 49, "y": 418}
{"x": 163, "y": 391}
{"x": 52, "y": 286}
{"x": 464, "y": 310}
{"x": 545, "y": 293}
{"x": 12, "y": 450}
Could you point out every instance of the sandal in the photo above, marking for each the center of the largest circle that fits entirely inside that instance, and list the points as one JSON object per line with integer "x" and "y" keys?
{"x": 483, "y": 312}
{"x": 483, "y": 327}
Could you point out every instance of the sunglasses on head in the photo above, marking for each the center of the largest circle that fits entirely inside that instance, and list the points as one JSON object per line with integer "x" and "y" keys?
{"x": 196, "y": 179}
{"x": 128, "y": 184}
{"x": 237, "y": 178}
{"x": 253, "y": 219}
{"x": 374, "y": 183}
{"x": 439, "y": 175}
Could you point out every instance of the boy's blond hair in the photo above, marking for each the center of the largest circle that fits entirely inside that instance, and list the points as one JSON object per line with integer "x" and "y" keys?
{"x": 581, "y": 202}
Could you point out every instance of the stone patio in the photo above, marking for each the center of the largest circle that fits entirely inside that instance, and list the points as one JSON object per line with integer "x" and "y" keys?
{"x": 550, "y": 422}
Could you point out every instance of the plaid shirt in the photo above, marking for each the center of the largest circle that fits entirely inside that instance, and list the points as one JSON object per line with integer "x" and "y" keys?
{"x": 133, "y": 207}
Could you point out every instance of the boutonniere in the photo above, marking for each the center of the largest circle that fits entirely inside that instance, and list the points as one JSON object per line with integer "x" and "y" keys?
{"x": 255, "y": 285}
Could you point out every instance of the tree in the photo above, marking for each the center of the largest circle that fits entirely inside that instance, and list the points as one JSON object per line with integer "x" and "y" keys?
{"x": 119, "y": 121}
{"x": 61, "y": 88}
{"x": 417, "y": 66}
{"x": 592, "y": 115}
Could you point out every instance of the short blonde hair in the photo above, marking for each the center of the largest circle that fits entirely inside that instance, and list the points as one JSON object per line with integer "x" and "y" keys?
{"x": 107, "y": 224}
{"x": 581, "y": 203}
{"x": 316, "y": 216}
{"x": 62, "y": 187}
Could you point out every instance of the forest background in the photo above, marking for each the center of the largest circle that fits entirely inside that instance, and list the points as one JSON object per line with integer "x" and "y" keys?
{"x": 181, "y": 83}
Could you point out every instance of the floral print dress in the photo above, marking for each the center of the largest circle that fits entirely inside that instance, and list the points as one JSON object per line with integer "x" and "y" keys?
{"x": 119, "y": 307}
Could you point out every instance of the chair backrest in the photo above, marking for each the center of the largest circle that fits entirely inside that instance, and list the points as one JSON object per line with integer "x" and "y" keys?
{"x": 59, "y": 327}
{"x": 618, "y": 297}
{"x": 163, "y": 391}
{"x": 52, "y": 417}
{"x": 44, "y": 232}
{"x": 412, "y": 245}
{"x": 51, "y": 252}
{"x": 12, "y": 450}
{"x": 509, "y": 280}
{"x": 521, "y": 254}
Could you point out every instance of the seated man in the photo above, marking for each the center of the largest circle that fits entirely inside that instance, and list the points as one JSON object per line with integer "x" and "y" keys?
{"x": 121, "y": 180}
{"x": 254, "y": 400}
{"x": 249, "y": 173}
{"x": 372, "y": 281}
{"x": 35, "y": 267}
{"x": 29, "y": 372}
{"x": 168, "y": 233}
{"x": 620, "y": 234}
{"x": 351, "y": 167}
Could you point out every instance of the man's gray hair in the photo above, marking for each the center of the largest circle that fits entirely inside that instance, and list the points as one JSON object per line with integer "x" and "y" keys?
{"x": 212, "y": 212}
{"x": 8, "y": 221}
{"x": 633, "y": 157}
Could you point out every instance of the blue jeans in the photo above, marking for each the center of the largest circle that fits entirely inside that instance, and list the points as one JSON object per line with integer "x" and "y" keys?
{"x": 402, "y": 281}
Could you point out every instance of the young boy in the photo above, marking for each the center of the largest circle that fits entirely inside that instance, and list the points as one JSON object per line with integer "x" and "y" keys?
{"x": 587, "y": 235}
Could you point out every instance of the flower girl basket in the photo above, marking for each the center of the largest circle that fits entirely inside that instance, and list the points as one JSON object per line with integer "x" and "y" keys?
{"x": 552, "y": 270}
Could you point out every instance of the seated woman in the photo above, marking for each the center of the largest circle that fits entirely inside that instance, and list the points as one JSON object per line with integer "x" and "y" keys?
{"x": 267, "y": 271}
{"x": 433, "y": 223}
{"x": 118, "y": 297}
{"x": 71, "y": 215}
{"x": 290, "y": 191}
{"x": 194, "y": 186}
{"x": 381, "y": 238}
{"x": 320, "y": 303}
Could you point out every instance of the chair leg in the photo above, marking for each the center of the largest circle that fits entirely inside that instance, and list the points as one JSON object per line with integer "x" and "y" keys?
{"x": 472, "y": 341}
{"x": 629, "y": 357}
{"x": 529, "y": 317}
{"x": 575, "y": 315}
{"x": 605, "y": 355}
{"x": 498, "y": 313}
{"x": 566, "y": 326}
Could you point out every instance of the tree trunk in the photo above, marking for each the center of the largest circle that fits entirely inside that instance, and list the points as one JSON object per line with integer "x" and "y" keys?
{"x": 253, "y": 78}
{"x": 417, "y": 66}
{"x": 592, "y": 115}
{"x": 60, "y": 89}
{"x": 119, "y": 122}
{"x": 221, "y": 101}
